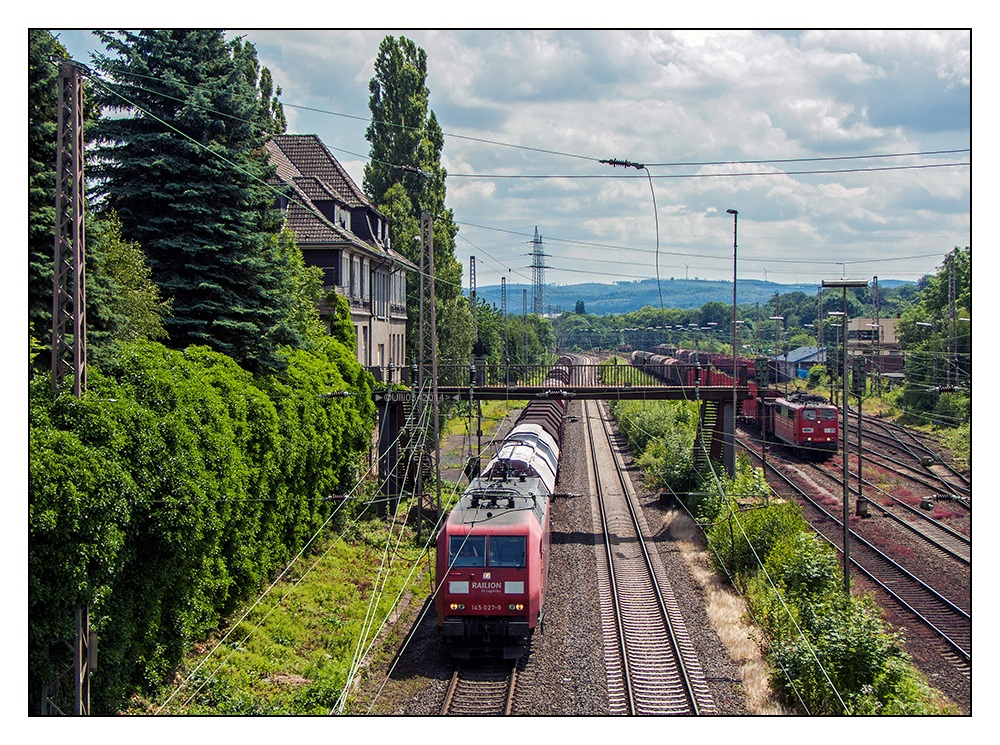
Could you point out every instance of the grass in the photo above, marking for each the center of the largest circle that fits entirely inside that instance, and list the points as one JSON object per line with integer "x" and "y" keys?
{"x": 293, "y": 651}
{"x": 728, "y": 614}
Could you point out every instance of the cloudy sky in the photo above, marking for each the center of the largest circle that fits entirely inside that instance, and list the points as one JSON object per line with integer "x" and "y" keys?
{"x": 846, "y": 153}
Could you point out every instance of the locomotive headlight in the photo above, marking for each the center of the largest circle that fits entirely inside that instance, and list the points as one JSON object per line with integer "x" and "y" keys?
{"x": 515, "y": 606}
{"x": 457, "y": 606}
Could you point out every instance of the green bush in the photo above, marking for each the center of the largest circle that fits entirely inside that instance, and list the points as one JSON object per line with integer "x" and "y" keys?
{"x": 171, "y": 491}
{"x": 663, "y": 432}
{"x": 843, "y": 660}
{"x": 803, "y": 566}
{"x": 817, "y": 376}
{"x": 742, "y": 540}
{"x": 715, "y": 490}
{"x": 959, "y": 441}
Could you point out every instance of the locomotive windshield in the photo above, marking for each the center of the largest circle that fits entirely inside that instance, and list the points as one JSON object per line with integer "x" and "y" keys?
{"x": 471, "y": 551}
{"x": 809, "y": 414}
{"x": 467, "y": 551}
{"x": 507, "y": 551}
{"x": 828, "y": 414}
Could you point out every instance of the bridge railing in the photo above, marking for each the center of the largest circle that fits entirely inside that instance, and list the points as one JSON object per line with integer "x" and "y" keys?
{"x": 581, "y": 376}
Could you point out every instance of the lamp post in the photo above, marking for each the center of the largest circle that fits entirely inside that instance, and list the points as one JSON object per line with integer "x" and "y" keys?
{"x": 844, "y": 284}
{"x": 732, "y": 466}
{"x": 837, "y": 344}
{"x": 777, "y": 342}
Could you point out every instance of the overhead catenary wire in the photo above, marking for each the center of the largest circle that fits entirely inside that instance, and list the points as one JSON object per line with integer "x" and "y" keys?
{"x": 649, "y": 176}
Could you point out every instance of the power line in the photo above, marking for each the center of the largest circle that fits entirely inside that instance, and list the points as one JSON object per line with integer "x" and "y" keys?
{"x": 684, "y": 253}
{"x": 811, "y": 160}
{"x": 688, "y": 253}
{"x": 542, "y": 177}
{"x": 668, "y": 164}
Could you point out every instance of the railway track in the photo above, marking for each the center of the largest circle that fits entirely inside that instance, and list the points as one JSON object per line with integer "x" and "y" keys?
{"x": 483, "y": 689}
{"x": 938, "y": 536}
{"x": 950, "y": 624}
{"x": 652, "y": 665}
{"x": 920, "y": 459}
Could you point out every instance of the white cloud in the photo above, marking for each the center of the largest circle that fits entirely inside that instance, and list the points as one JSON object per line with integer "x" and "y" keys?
{"x": 566, "y": 99}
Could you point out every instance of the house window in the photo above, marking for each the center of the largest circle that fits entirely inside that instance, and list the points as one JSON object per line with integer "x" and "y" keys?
{"x": 328, "y": 260}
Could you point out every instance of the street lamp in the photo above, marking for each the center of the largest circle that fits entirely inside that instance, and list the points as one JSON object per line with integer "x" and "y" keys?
{"x": 844, "y": 284}
{"x": 732, "y": 466}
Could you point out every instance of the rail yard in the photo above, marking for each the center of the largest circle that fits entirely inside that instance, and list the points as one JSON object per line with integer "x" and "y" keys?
{"x": 623, "y": 558}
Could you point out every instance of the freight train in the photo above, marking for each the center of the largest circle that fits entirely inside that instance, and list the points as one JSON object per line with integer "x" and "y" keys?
{"x": 803, "y": 422}
{"x": 687, "y": 367}
{"x": 493, "y": 550}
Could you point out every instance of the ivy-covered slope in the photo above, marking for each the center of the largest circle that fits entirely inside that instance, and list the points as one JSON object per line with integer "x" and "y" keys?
{"x": 171, "y": 491}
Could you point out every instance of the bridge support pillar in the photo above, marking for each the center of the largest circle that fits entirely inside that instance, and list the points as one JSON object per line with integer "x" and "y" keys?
{"x": 391, "y": 418}
{"x": 729, "y": 438}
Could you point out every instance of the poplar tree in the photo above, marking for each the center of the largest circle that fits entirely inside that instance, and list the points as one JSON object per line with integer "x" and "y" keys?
{"x": 181, "y": 160}
{"x": 405, "y": 178}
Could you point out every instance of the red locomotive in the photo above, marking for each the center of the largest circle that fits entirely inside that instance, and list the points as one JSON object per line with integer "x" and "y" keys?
{"x": 492, "y": 566}
{"x": 804, "y": 422}
{"x": 493, "y": 551}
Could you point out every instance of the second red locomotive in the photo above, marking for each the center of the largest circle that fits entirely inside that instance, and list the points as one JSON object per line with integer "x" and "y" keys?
{"x": 804, "y": 422}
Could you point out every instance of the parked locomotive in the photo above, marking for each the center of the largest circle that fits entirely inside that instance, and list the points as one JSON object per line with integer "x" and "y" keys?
{"x": 804, "y": 422}
{"x": 493, "y": 551}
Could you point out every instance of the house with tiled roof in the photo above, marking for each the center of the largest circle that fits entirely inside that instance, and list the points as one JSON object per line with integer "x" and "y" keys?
{"x": 339, "y": 230}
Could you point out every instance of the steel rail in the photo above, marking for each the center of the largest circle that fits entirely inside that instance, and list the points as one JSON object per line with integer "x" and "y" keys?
{"x": 675, "y": 645}
{"x": 609, "y": 555}
{"x": 948, "y": 604}
{"x": 681, "y": 677}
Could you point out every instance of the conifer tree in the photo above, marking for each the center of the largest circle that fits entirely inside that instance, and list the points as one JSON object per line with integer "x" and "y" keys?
{"x": 42, "y": 93}
{"x": 182, "y": 163}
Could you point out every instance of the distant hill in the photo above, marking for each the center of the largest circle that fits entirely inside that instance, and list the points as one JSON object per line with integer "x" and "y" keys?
{"x": 623, "y": 297}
